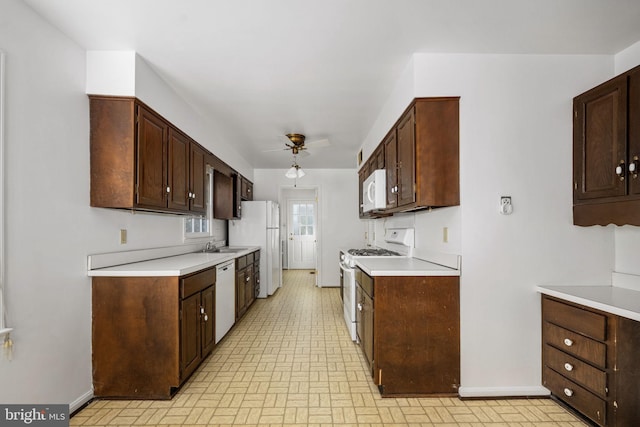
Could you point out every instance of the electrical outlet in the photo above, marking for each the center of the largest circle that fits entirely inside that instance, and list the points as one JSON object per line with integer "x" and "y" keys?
{"x": 506, "y": 207}
{"x": 445, "y": 234}
{"x": 123, "y": 236}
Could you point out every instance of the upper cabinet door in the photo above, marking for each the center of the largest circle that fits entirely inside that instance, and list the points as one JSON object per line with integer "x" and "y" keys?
{"x": 634, "y": 132}
{"x": 178, "y": 178}
{"x": 599, "y": 141}
{"x": 198, "y": 179}
{"x": 406, "y": 158}
{"x": 222, "y": 196}
{"x": 391, "y": 167}
{"x": 151, "y": 159}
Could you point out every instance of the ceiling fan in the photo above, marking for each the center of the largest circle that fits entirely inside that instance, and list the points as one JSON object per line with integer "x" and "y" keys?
{"x": 298, "y": 145}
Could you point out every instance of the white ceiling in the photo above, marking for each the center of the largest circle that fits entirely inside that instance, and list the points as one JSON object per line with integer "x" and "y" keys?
{"x": 263, "y": 68}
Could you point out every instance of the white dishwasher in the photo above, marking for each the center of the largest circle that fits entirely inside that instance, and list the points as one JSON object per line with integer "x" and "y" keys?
{"x": 225, "y": 298}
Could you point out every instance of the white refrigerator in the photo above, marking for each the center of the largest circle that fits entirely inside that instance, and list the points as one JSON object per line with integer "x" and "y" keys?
{"x": 260, "y": 226}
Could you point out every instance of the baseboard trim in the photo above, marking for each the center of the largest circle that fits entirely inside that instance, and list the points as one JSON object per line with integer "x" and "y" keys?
{"x": 489, "y": 392}
{"x": 80, "y": 401}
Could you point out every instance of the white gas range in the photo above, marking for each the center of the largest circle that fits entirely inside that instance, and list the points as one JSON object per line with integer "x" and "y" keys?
{"x": 398, "y": 243}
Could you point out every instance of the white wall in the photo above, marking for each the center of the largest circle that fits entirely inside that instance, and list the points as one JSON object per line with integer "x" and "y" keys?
{"x": 338, "y": 223}
{"x": 128, "y": 74}
{"x": 50, "y": 226}
{"x": 627, "y": 258}
{"x": 516, "y": 140}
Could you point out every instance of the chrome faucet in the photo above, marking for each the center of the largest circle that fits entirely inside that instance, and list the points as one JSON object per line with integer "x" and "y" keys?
{"x": 208, "y": 247}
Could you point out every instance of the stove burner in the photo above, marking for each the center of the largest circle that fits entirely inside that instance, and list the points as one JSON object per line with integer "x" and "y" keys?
{"x": 372, "y": 252}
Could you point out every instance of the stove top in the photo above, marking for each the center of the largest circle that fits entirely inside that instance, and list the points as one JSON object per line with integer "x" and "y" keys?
{"x": 372, "y": 252}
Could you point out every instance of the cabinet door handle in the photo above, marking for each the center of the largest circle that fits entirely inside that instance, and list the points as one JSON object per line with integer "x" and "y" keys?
{"x": 568, "y": 392}
{"x": 633, "y": 167}
{"x": 568, "y": 367}
{"x": 359, "y": 307}
{"x": 568, "y": 342}
{"x": 620, "y": 170}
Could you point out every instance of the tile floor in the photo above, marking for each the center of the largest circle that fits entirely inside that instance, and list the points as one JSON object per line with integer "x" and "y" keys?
{"x": 289, "y": 362}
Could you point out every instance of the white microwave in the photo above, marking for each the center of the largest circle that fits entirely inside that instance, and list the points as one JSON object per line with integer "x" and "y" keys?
{"x": 374, "y": 191}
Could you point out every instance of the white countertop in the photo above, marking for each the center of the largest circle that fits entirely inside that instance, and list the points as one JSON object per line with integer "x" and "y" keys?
{"x": 403, "y": 266}
{"x": 611, "y": 299}
{"x": 178, "y": 265}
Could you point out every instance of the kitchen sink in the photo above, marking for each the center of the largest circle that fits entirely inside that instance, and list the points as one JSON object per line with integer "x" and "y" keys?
{"x": 226, "y": 250}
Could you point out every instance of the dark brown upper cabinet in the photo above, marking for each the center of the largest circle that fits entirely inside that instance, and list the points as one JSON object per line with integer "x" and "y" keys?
{"x": 140, "y": 161}
{"x": 246, "y": 189}
{"x": 606, "y": 152}
{"x": 222, "y": 196}
{"x": 421, "y": 157}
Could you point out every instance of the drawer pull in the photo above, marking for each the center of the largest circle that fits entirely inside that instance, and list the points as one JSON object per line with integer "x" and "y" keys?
{"x": 568, "y": 392}
{"x": 568, "y": 367}
{"x": 568, "y": 342}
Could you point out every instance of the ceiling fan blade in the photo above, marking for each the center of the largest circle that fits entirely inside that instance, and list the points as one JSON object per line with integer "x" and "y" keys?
{"x": 303, "y": 153}
{"x": 318, "y": 143}
{"x": 276, "y": 149}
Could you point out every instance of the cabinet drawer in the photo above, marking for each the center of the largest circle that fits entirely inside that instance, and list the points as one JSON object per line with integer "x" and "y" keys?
{"x": 241, "y": 262}
{"x": 575, "y": 344}
{"x": 576, "y": 319}
{"x": 582, "y": 373}
{"x": 197, "y": 282}
{"x": 365, "y": 281}
{"x": 577, "y": 397}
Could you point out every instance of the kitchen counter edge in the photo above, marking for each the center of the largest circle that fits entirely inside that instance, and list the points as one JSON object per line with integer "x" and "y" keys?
{"x": 177, "y": 265}
{"x": 610, "y": 299}
{"x": 403, "y": 267}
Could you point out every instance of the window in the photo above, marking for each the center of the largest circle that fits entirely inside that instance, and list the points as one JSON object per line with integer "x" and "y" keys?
{"x": 200, "y": 226}
{"x": 302, "y": 218}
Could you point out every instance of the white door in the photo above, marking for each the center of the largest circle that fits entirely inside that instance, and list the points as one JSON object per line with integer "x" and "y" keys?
{"x": 301, "y": 230}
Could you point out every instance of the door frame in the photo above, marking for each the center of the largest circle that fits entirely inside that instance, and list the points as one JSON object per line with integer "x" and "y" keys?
{"x": 283, "y": 198}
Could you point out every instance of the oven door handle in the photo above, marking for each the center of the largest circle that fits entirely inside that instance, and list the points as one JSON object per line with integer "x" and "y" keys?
{"x": 346, "y": 269}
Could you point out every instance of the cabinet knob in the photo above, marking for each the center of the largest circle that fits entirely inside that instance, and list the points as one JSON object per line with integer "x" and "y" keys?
{"x": 201, "y": 310}
{"x": 568, "y": 342}
{"x": 359, "y": 307}
{"x": 206, "y": 318}
{"x": 168, "y": 189}
{"x": 247, "y": 279}
{"x": 633, "y": 167}
{"x": 568, "y": 367}
{"x": 568, "y": 392}
{"x": 620, "y": 170}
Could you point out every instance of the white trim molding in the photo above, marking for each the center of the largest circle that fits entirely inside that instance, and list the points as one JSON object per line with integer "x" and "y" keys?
{"x": 487, "y": 392}
{"x": 3, "y": 312}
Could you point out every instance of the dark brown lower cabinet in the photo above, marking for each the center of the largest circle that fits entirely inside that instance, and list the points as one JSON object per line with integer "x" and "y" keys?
{"x": 247, "y": 281}
{"x": 150, "y": 333}
{"x": 415, "y": 330}
{"x": 589, "y": 361}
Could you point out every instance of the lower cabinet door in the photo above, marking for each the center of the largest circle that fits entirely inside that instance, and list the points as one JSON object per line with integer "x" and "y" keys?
{"x": 208, "y": 328}
{"x": 190, "y": 335}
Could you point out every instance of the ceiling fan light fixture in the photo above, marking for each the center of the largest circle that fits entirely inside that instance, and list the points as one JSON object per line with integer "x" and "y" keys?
{"x": 292, "y": 173}
{"x": 295, "y": 171}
